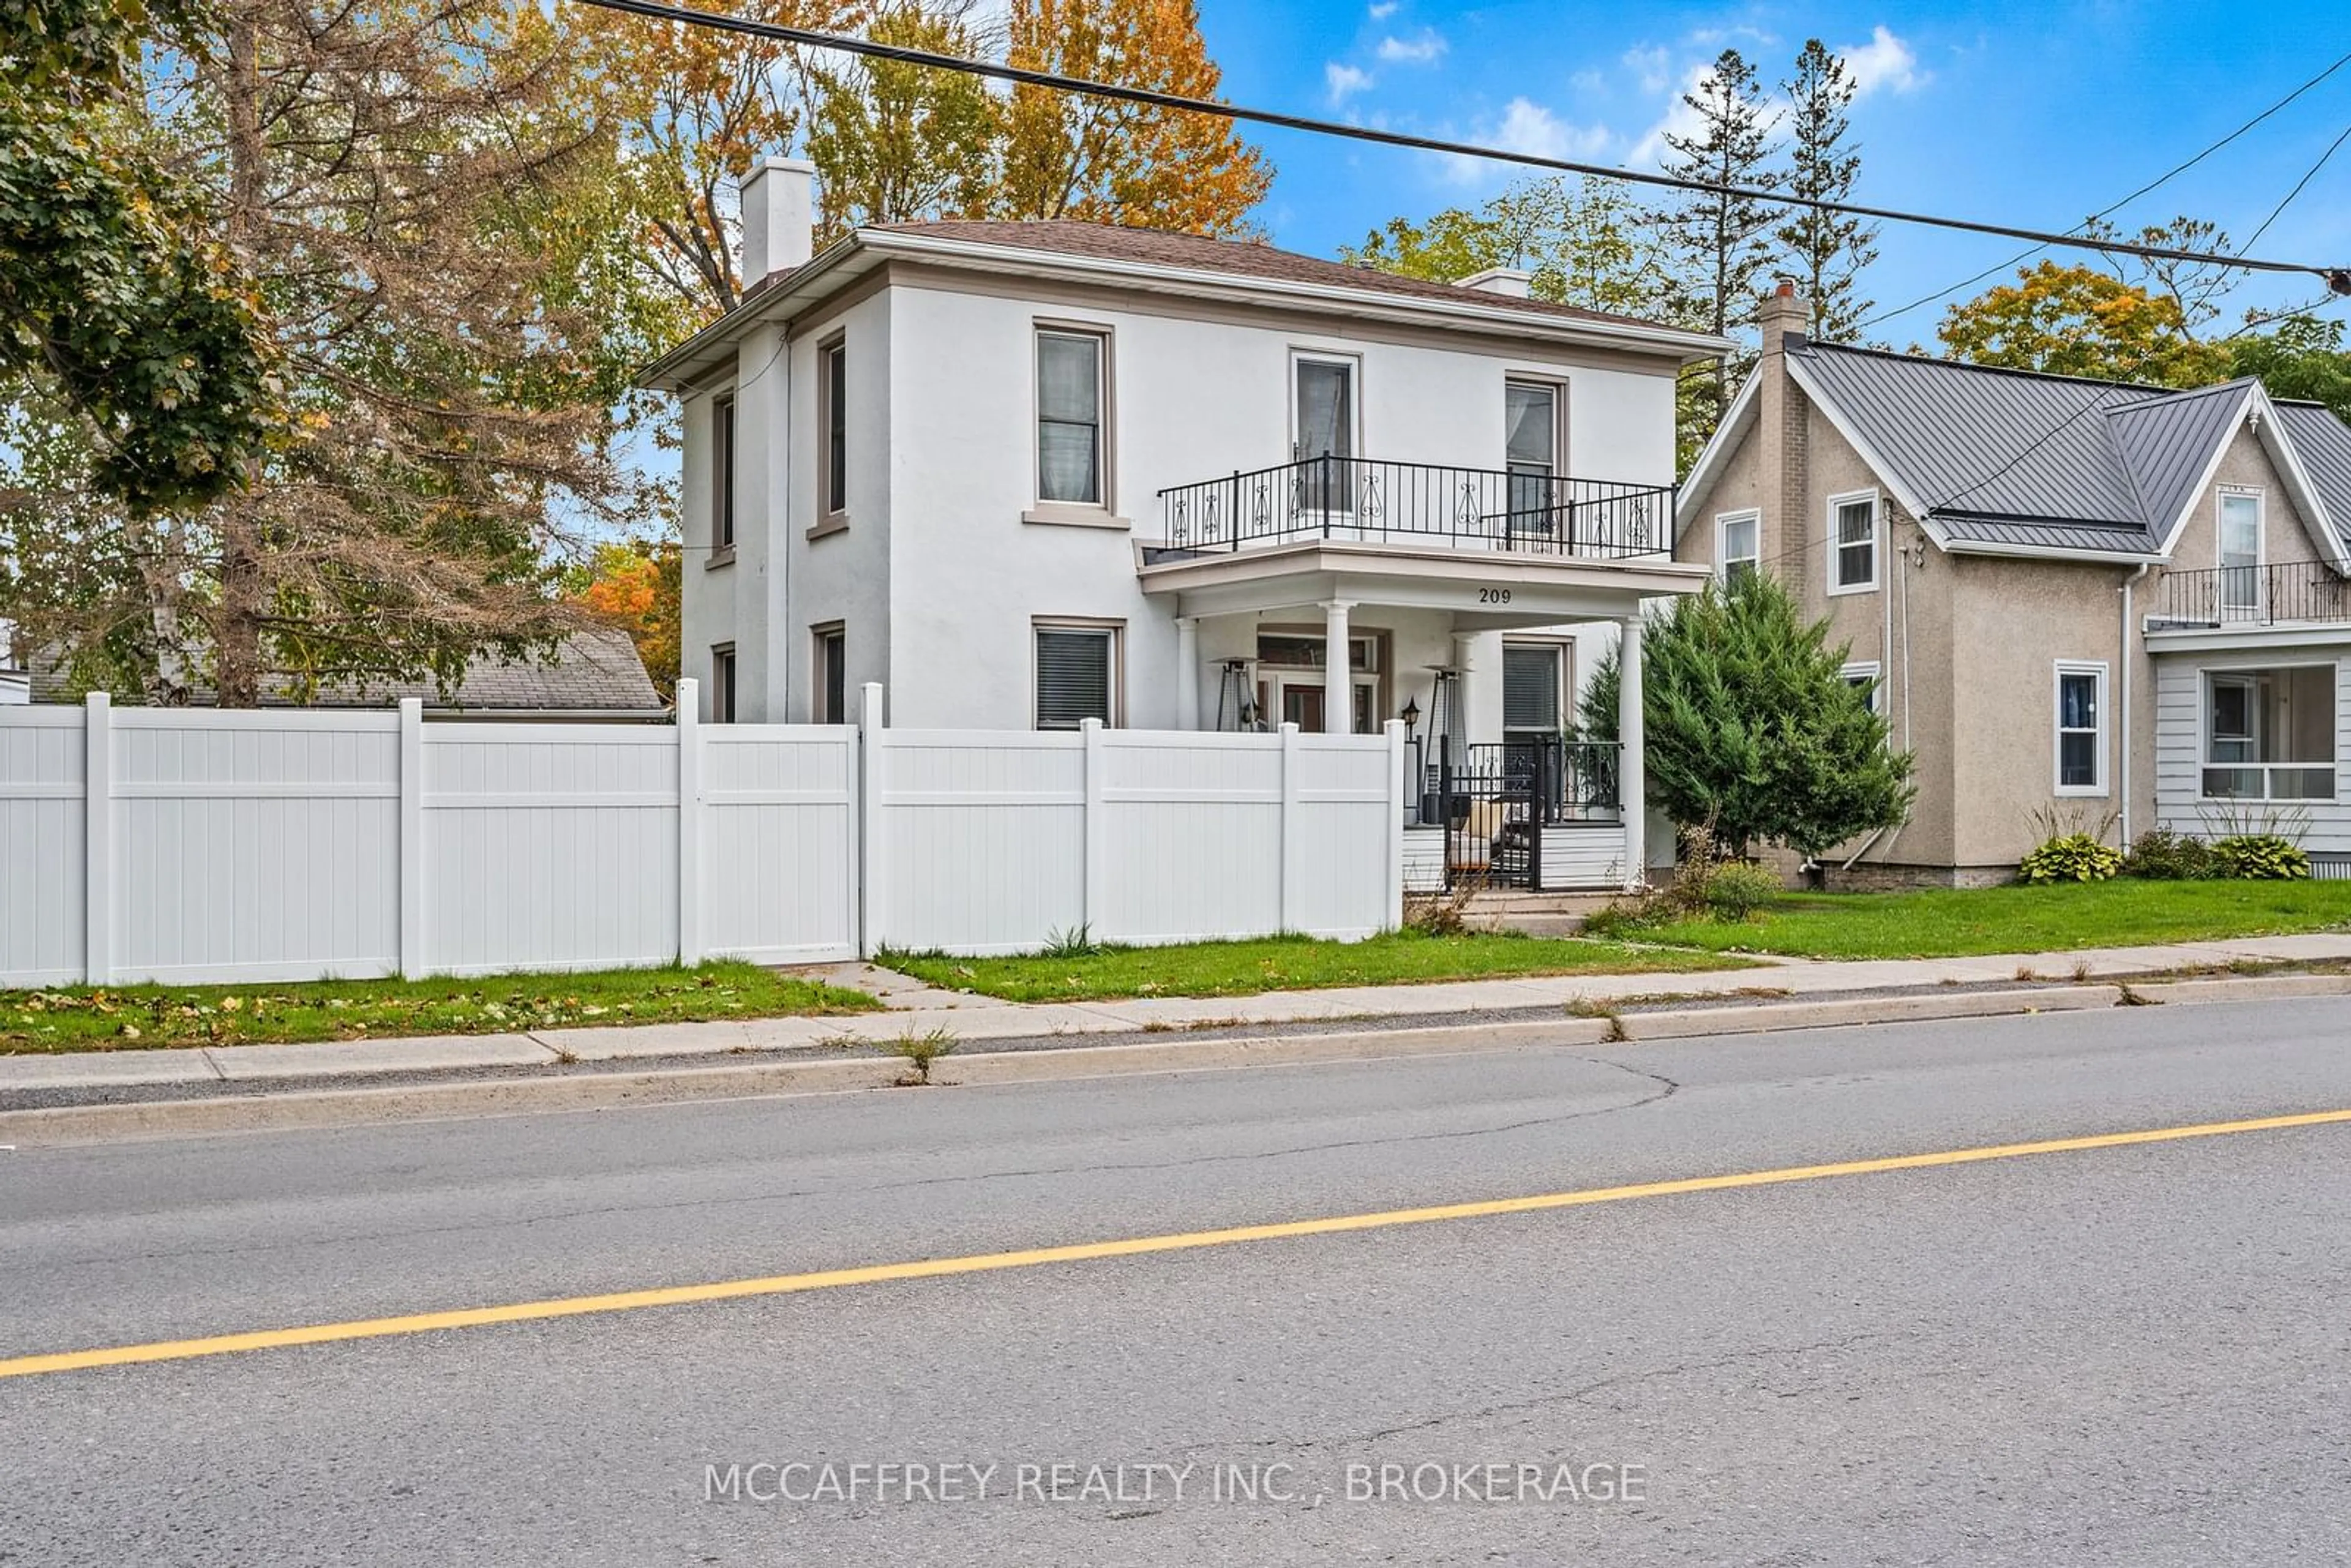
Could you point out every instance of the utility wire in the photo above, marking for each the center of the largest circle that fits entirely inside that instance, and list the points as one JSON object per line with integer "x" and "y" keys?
{"x": 2332, "y": 148}
{"x": 2162, "y": 179}
{"x": 2337, "y": 278}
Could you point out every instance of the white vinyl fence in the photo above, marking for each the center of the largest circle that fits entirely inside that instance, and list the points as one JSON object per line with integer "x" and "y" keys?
{"x": 199, "y": 845}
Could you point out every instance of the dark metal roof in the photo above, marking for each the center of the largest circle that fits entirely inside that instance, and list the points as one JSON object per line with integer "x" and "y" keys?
{"x": 2019, "y": 459}
{"x": 2323, "y": 443}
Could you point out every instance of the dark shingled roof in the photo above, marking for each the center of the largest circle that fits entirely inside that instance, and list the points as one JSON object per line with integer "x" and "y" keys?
{"x": 593, "y": 671}
{"x": 2017, "y": 458}
{"x": 1240, "y": 258}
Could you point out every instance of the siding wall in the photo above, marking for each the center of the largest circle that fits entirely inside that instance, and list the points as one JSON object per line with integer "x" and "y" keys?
{"x": 299, "y": 845}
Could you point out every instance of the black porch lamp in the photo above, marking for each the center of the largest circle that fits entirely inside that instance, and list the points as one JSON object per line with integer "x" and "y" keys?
{"x": 1411, "y": 716}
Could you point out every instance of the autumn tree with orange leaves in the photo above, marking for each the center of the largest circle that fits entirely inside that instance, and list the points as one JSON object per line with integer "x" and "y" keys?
{"x": 634, "y": 586}
{"x": 1069, "y": 156}
{"x": 894, "y": 143}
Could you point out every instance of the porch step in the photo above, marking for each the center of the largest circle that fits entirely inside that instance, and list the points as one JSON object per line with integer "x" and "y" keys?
{"x": 1531, "y": 913}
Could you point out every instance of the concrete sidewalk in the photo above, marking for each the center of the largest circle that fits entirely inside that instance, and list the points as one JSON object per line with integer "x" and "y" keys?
{"x": 912, "y": 1008}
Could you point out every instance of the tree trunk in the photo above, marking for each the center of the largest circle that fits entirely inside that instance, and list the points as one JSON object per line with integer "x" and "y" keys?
{"x": 236, "y": 632}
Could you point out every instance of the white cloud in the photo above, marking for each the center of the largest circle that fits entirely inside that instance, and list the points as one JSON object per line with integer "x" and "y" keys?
{"x": 1382, "y": 9}
{"x": 1651, "y": 66}
{"x": 1423, "y": 50}
{"x": 1680, "y": 119}
{"x": 1526, "y": 127}
{"x": 1886, "y": 61}
{"x": 1343, "y": 81}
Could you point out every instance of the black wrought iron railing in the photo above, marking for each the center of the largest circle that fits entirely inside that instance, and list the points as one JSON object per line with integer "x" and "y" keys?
{"x": 2256, "y": 595}
{"x": 1367, "y": 499}
{"x": 1544, "y": 781}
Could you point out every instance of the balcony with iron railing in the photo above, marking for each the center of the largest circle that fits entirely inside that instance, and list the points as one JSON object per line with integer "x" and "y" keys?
{"x": 2302, "y": 593}
{"x": 1363, "y": 500}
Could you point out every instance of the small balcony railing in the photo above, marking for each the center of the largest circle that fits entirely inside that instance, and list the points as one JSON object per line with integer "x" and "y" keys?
{"x": 1367, "y": 500}
{"x": 2256, "y": 595}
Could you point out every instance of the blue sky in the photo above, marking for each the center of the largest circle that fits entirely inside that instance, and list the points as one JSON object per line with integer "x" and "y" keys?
{"x": 2034, "y": 114}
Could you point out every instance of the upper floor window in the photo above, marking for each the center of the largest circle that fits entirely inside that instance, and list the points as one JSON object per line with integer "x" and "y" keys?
{"x": 1739, "y": 544}
{"x": 722, "y": 472}
{"x": 1531, "y": 450}
{"x": 1069, "y": 458}
{"x": 1853, "y": 543}
{"x": 832, "y": 390}
{"x": 1326, "y": 408}
{"x": 2241, "y": 552}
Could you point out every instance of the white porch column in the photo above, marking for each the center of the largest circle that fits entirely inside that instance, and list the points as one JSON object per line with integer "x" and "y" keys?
{"x": 1187, "y": 671}
{"x": 1631, "y": 771}
{"x": 1338, "y": 669}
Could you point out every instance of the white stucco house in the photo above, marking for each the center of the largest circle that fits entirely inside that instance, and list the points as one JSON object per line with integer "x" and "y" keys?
{"x": 1026, "y": 473}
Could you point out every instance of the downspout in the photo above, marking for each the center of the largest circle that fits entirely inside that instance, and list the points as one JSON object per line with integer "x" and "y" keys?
{"x": 2123, "y": 655}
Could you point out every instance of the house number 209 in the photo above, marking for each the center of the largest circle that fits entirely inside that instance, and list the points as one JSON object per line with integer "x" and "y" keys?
{"x": 1493, "y": 596}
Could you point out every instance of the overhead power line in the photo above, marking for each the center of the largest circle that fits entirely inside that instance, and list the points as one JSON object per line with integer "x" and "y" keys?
{"x": 2337, "y": 278}
{"x": 2165, "y": 178}
{"x": 2299, "y": 185}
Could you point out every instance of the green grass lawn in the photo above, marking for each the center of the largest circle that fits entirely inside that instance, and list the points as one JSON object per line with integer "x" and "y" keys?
{"x": 138, "y": 1017}
{"x": 1943, "y": 923}
{"x": 1286, "y": 964}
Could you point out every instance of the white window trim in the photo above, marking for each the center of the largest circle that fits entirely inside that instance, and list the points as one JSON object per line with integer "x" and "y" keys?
{"x": 1103, "y": 513}
{"x": 2204, "y": 674}
{"x": 1874, "y": 673}
{"x": 1722, "y": 521}
{"x": 1117, "y": 630}
{"x": 831, "y": 517}
{"x": 1876, "y": 541}
{"x": 2221, "y": 499}
{"x": 2065, "y": 667}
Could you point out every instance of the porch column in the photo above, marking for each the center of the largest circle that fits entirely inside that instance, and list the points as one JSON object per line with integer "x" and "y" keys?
{"x": 1187, "y": 671}
{"x": 1631, "y": 771}
{"x": 1338, "y": 669}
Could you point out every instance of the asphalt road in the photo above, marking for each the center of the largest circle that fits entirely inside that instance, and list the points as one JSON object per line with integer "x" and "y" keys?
{"x": 2138, "y": 1354}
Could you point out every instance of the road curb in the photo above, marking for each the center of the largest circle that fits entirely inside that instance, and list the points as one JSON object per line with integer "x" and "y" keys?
{"x": 264, "y": 1109}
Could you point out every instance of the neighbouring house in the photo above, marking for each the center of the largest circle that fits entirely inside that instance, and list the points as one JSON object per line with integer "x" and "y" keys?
{"x": 1026, "y": 475}
{"x": 593, "y": 675}
{"x": 16, "y": 680}
{"x": 2125, "y": 605}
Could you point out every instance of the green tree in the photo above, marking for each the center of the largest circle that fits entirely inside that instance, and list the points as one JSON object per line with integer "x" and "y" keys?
{"x": 1827, "y": 251}
{"x": 399, "y": 182}
{"x": 2302, "y": 357}
{"x": 117, "y": 312}
{"x": 1583, "y": 243}
{"x": 1065, "y": 156}
{"x": 1751, "y": 726}
{"x": 897, "y": 143}
{"x": 1717, "y": 243}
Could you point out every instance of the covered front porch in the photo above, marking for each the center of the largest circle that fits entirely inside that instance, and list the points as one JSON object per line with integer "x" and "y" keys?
{"x": 1478, "y": 654}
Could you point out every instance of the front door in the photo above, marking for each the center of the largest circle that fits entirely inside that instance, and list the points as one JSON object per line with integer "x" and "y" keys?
{"x": 1303, "y": 705}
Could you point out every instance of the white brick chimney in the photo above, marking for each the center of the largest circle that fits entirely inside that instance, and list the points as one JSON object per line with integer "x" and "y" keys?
{"x": 779, "y": 216}
{"x": 1506, "y": 280}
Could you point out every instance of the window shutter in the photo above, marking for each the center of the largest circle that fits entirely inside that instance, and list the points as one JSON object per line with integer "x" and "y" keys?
{"x": 1072, "y": 677}
{"x": 1531, "y": 688}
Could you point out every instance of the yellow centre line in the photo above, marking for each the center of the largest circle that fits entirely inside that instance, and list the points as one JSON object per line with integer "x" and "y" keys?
{"x": 987, "y": 1262}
